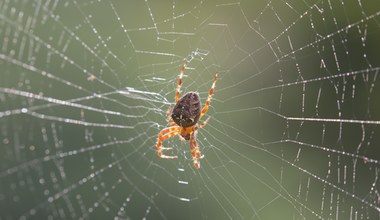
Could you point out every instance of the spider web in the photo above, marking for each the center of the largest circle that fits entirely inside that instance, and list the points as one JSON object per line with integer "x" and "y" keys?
{"x": 294, "y": 129}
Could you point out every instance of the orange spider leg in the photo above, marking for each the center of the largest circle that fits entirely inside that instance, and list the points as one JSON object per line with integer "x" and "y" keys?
{"x": 198, "y": 126}
{"x": 203, "y": 123}
{"x": 195, "y": 144}
{"x": 195, "y": 150}
{"x": 170, "y": 121}
{"x": 162, "y": 136}
{"x": 179, "y": 83}
{"x": 205, "y": 108}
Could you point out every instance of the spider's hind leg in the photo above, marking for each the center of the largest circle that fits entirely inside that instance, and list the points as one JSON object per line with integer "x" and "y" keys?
{"x": 204, "y": 122}
{"x": 205, "y": 108}
{"x": 179, "y": 83}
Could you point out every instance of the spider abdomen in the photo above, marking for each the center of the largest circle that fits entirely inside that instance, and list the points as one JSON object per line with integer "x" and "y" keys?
{"x": 187, "y": 111}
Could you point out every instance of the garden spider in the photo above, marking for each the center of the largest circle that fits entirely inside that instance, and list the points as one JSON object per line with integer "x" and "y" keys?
{"x": 183, "y": 120}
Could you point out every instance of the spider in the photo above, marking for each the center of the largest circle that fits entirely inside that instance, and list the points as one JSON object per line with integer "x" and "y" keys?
{"x": 183, "y": 120}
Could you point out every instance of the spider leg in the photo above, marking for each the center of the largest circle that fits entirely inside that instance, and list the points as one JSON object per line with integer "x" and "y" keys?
{"x": 205, "y": 108}
{"x": 166, "y": 133}
{"x": 198, "y": 126}
{"x": 179, "y": 83}
{"x": 195, "y": 150}
{"x": 203, "y": 123}
{"x": 170, "y": 121}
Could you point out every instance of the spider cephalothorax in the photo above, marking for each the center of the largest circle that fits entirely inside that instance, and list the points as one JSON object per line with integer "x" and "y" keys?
{"x": 184, "y": 120}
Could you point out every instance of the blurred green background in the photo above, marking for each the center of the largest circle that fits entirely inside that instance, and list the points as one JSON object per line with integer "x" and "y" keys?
{"x": 294, "y": 127}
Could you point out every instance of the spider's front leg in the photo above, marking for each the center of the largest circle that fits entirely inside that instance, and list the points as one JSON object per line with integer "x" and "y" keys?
{"x": 195, "y": 150}
{"x": 166, "y": 133}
